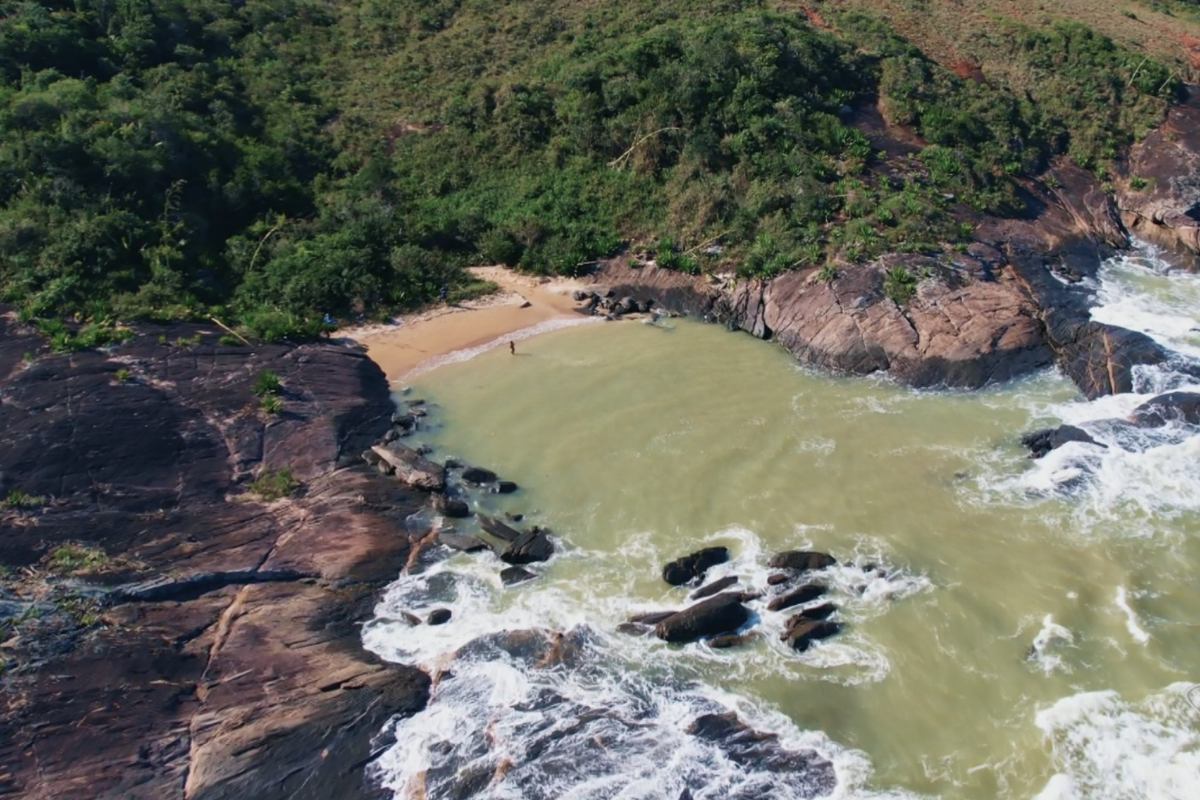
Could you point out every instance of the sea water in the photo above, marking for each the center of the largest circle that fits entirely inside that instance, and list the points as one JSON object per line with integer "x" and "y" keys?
{"x": 1014, "y": 628}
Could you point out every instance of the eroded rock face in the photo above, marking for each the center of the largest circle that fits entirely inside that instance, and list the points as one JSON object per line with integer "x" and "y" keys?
{"x": 1160, "y": 196}
{"x": 231, "y": 664}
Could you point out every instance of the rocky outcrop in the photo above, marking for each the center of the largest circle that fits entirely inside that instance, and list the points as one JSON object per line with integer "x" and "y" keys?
{"x": 1181, "y": 407}
{"x": 531, "y": 546}
{"x": 229, "y": 662}
{"x": 813, "y": 776}
{"x": 692, "y": 567}
{"x": 801, "y": 560}
{"x": 1011, "y": 302}
{"x": 720, "y": 614}
{"x": 804, "y": 632}
{"x": 1159, "y": 195}
{"x": 803, "y": 594}
{"x": 411, "y": 467}
{"x": 712, "y": 588}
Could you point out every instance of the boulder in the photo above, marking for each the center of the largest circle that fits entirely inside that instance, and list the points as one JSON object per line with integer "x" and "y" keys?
{"x": 722, "y": 613}
{"x": 804, "y": 634}
{"x": 778, "y": 578}
{"x": 411, "y": 468}
{"x": 814, "y": 614}
{"x": 579, "y": 295}
{"x": 712, "y": 588}
{"x": 505, "y": 487}
{"x": 692, "y": 567}
{"x": 513, "y": 575}
{"x": 439, "y": 616}
{"x": 404, "y": 422}
{"x": 804, "y": 594}
{"x": 1041, "y": 442}
{"x": 463, "y": 542}
{"x": 801, "y": 560}
{"x": 531, "y": 546}
{"x": 727, "y": 640}
{"x": 498, "y": 529}
{"x": 478, "y": 475}
{"x": 1171, "y": 407}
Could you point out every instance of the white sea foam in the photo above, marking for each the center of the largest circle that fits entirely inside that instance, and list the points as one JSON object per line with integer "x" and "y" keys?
{"x": 1105, "y": 748}
{"x": 1132, "y": 624}
{"x": 1048, "y": 642}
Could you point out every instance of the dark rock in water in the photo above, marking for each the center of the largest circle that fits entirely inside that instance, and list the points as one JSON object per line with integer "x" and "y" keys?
{"x": 651, "y": 618}
{"x": 687, "y": 795}
{"x": 463, "y": 542}
{"x": 452, "y": 507}
{"x": 1171, "y": 407}
{"x": 453, "y": 463}
{"x": 692, "y": 567}
{"x": 1041, "y": 442}
{"x": 778, "y": 578}
{"x": 439, "y": 616}
{"x": 727, "y": 640}
{"x": 478, "y": 475}
{"x": 801, "y": 560}
{"x": 804, "y": 634}
{"x": 536, "y": 648}
{"x": 759, "y": 751}
{"x": 514, "y": 517}
{"x": 814, "y": 614}
{"x": 410, "y": 618}
{"x": 715, "y": 615}
{"x": 579, "y": 295}
{"x": 712, "y": 588}
{"x": 413, "y": 468}
{"x": 804, "y": 594}
{"x": 505, "y": 487}
{"x": 424, "y": 450}
{"x": 418, "y": 412}
{"x": 633, "y": 629}
{"x": 404, "y": 422}
{"x": 391, "y": 435}
{"x": 513, "y": 575}
{"x": 498, "y": 529}
{"x": 529, "y": 547}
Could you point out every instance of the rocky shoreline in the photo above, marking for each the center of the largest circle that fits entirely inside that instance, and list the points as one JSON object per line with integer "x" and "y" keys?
{"x": 1014, "y": 301}
{"x": 168, "y": 632}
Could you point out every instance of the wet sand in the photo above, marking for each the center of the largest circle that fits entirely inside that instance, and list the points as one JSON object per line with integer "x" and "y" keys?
{"x": 416, "y": 341}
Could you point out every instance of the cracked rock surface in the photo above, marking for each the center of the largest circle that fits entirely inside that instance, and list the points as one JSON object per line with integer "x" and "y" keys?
{"x": 217, "y": 653}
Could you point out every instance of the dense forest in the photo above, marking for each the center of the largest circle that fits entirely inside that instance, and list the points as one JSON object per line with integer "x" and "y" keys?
{"x": 283, "y": 163}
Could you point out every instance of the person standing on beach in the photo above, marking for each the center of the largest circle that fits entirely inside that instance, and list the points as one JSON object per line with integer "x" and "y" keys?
{"x": 512, "y": 347}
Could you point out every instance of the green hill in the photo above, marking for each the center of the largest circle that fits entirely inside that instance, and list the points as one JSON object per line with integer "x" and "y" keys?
{"x": 280, "y": 160}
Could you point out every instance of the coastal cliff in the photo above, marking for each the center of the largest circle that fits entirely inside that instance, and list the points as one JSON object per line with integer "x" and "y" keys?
{"x": 171, "y": 633}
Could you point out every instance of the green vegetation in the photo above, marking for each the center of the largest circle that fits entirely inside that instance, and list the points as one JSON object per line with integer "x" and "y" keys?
{"x": 266, "y": 382}
{"x": 270, "y": 405}
{"x": 122, "y": 375}
{"x": 827, "y": 274}
{"x": 272, "y": 485}
{"x": 21, "y": 499}
{"x": 899, "y": 284}
{"x": 73, "y": 558}
{"x": 284, "y": 163}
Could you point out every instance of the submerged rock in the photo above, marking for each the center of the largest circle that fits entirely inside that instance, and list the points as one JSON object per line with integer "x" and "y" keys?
{"x": 805, "y": 633}
{"x": 712, "y": 588}
{"x": 510, "y": 576}
{"x": 759, "y": 751}
{"x": 452, "y": 507}
{"x": 801, "y": 560}
{"x": 804, "y": 594}
{"x": 814, "y": 614}
{"x": 478, "y": 475}
{"x": 778, "y": 578}
{"x": 692, "y": 567}
{"x": 498, "y": 529}
{"x": 505, "y": 487}
{"x": 727, "y": 640}
{"x": 651, "y": 618}
{"x": 463, "y": 542}
{"x": 439, "y": 616}
{"x": 720, "y": 614}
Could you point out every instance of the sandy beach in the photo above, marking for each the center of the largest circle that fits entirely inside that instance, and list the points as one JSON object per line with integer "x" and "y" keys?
{"x": 525, "y": 305}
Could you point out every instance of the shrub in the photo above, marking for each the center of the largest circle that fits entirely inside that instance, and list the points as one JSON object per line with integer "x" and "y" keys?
{"x": 21, "y": 499}
{"x": 1138, "y": 183}
{"x": 72, "y": 558}
{"x": 265, "y": 383}
{"x": 122, "y": 375}
{"x": 271, "y": 405}
{"x": 827, "y": 274}
{"x": 272, "y": 485}
{"x": 899, "y": 284}
{"x": 229, "y": 339}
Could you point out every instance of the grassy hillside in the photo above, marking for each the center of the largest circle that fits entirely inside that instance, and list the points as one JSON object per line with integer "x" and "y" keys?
{"x": 278, "y": 161}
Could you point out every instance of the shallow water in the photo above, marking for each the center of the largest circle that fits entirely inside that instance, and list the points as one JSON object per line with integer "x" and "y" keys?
{"x": 1035, "y": 634}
